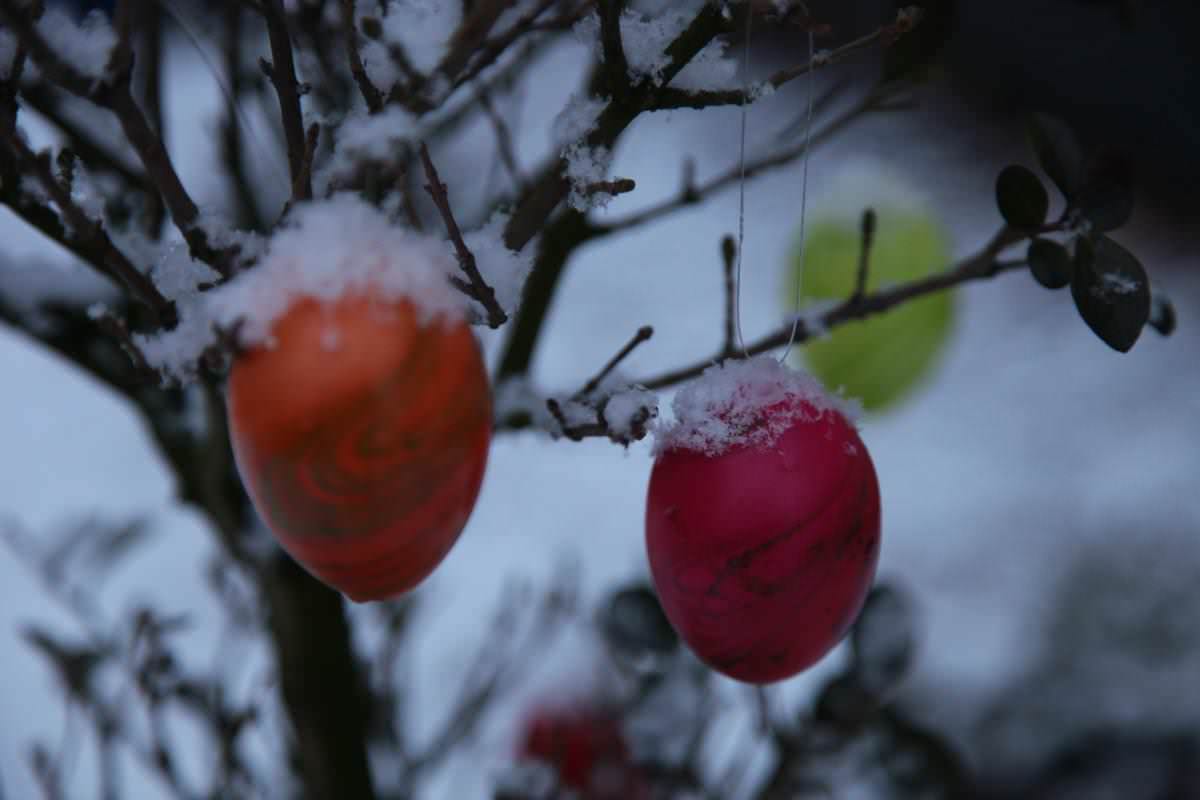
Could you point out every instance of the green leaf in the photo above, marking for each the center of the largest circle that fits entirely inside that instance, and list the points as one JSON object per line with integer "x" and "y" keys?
{"x": 1106, "y": 193}
{"x": 1112, "y": 293}
{"x": 1022, "y": 199}
{"x": 1058, "y": 152}
{"x": 882, "y": 359}
{"x": 1050, "y": 263}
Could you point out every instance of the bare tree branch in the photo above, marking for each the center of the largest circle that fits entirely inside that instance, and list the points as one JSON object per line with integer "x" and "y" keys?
{"x": 370, "y": 92}
{"x": 864, "y": 254}
{"x": 491, "y": 49}
{"x": 114, "y": 93}
{"x": 116, "y": 328}
{"x": 728, "y": 263}
{"x": 471, "y": 33}
{"x": 97, "y": 155}
{"x": 612, "y": 188}
{"x": 692, "y": 194}
{"x": 906, "y": 20}
{"x": 978, "y": 267}
{"x": 643, "y": 335}
{"x": 475, "y": 286}
{"x": 543, "y": 197}
{"x": 321, "y": 683}
{"x": 616, "y": 67}
{"x": 504, "y": 139}
{"x": 302, "y": 185}
{"x": 282, "y": 72}
{"x": 636, "y": 429}
{"x": 149, "y": 29}
{"x": 88, "y": 235}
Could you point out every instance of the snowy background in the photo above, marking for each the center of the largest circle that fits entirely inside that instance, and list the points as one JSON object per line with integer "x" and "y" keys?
{"x": 1036, "y": 465}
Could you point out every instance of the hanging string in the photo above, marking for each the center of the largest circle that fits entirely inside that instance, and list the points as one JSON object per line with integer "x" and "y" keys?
{"x": 803, "y": 190}
{"x": 741, "y": 234}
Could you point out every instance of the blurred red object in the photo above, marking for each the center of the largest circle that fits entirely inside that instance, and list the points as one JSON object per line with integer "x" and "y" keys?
{"x": 587, "y": 750}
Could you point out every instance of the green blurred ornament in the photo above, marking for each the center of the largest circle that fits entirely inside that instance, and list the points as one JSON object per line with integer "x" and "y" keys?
{"x": 879, "y": 360}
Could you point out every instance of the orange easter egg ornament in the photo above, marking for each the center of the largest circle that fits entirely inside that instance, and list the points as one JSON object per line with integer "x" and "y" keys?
{"x": 361, "y": 420}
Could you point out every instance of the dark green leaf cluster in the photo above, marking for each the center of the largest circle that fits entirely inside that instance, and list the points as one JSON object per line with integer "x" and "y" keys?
{"x": 1108, "y": 283}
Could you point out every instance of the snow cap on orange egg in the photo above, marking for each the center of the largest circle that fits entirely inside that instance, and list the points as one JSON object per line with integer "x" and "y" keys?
{"x": 325, "y": 250}
{"x": 338, "y": 247}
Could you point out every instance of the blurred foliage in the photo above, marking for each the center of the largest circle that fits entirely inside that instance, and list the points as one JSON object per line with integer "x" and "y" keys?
{"x": 1108, "y": 283}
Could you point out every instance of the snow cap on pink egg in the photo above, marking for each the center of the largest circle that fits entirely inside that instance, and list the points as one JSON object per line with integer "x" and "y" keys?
{"x": 724, "y": 406}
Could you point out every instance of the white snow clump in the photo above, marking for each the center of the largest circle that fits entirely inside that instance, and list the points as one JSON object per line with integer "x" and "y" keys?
{"x": 327, "y": 249}
{"x": 85, "y": 45}
{"x": 723, "y": 407}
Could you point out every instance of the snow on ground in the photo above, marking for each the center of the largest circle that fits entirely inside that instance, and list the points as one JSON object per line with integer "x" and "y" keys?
{"x": 1030, "y": 439}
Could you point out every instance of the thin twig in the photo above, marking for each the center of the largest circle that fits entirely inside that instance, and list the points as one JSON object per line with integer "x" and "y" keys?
{"x": 408, "y": 202}
{"x": 106, "y": 648}
{"x": 406, "y": 91}
{"x": 370, "y": 92}
{"x": 729, "y": 261}
{"x": 302, "y": 185}
{"x": 98, "y": 156}
{"x": 323, "y": 40}
{"x": 864, "y": 254}
{"x": 980, "y": 266}
{"x": 613, "y": 188}
{"x": 643, "y": 334}
{"x": 283, "y": 76}
{"x": 576, "y": 432}
{"x": 115, "y": 327}
{"x": 491, "y": 49}
{"x": 475, "y": 286}
{"x": 638, "y": 424}
{"x": 561, "y": 236}
{"x": 472, "y": 31}
{"x": 691, "y": 194}
{"x": 681, "y": 98}
{"x": 149, "y": 28}
{"x": 466, "y": 45}
{"x": 551, "y": 186}
{"x": 504, "y": 139}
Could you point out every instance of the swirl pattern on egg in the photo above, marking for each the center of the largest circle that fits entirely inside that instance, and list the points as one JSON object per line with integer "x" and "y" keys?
{"x": 361, "y": 435}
